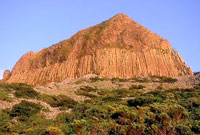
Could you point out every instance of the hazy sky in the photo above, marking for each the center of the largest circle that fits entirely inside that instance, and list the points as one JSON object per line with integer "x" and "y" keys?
{"x": 30, "y": 25}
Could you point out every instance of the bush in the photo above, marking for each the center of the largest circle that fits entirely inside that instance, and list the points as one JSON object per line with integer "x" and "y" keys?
{"x": 86, "y": 94}
{"x": 5, "y": 87}
{"x": 169, "y": 80}
{"x": 164, "y": 79}
{"x": 111, "y": 99}
{"x": 119, "y": 80}
{"x": 5, "y": 124}
{"x": 25, "y": 109}
{"x": 25, "y": 91}
{"x": 97, "y": 112}
{"x": 197, "y": 86}
{"x": 95, "y": 79}
{"x": 196, "y": 127}
{"x": 64, "y": 117}
{"x": 137, "y": 87}
{"x": 143, "y": 100}
{"x": 103, "y": 92}
{"x": 78, "y": 125}
{"x": 121, "y": 92}
{"x": 17, "y": 86}
{"x": 58, "y": 101}
{"x": 5, "y": 97}
{"x": 88, "y": 89}
{"x": 142, "y": 80}
{"x": 159, "y": 87}
{"x": 53, "y": 131}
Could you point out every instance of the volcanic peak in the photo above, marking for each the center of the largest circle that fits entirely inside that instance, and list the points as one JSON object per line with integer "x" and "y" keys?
{"x": 118, "y": 47}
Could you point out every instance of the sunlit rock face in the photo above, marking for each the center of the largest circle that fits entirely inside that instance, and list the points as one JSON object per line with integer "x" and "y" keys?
{"x": 118, "y": 47}
{"x": 6, "y": 75}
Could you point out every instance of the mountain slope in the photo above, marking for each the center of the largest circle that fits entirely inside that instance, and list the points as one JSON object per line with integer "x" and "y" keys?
{"x": 102, "y": 106}
{"x": 118, "y": 47}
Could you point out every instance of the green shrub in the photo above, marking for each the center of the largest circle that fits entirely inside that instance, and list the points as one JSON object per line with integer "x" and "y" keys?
{"x": 159, "y": 87}
{"x": 58, "y": 101}
{"x": 17, "y": 86}
{"x": 196, "y": 127}
{"x": 53, "y": 131}
{"x": 121, "y": 92}
{"x": 62, "y": 100}
{"x": 86, "y": 94}
{"x": 25, "y": 91}
{"x": 183, "y": 129}
{"x": 103, "y": 92}
{"x": 20, "y": 90}
{"x": 119, "y": 80}
{"x": 95, "y": 79}
{"x": 5, "y": 87}
{"x": 169, "y": 80}
{"x": 141, "y": 80}
{"x": 36, "y": 124}
{"x": 197, "y": 86}
{"x": 164, "y": 79}
{"x": 143, "y": 100}
{"x": 84, "y": 91}
{"x": 97, "y": 112}
{"x": 111, "y": 98}
{"x": 88, "y": 89}
{"x": 78, "y": 125}
{"x": 4, "y": 96}
{"x": 5, "y": 122}
{"x": 46, "y": 98}
{"x": 136, "y": 87}
{"x": 64, "y": 117}
{"x": 25, "y": 109}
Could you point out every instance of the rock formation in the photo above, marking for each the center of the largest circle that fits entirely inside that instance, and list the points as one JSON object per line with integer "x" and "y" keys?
{"x": 118, "y": 47}
{"x": 6, "y": 75}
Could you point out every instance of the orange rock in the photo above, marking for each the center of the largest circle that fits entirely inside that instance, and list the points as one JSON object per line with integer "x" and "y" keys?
{"x": 118, "y": 47}
{"x": 6, "y": 75}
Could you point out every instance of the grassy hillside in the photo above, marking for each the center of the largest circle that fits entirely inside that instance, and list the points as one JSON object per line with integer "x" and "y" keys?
{"x": 117, "y": 110}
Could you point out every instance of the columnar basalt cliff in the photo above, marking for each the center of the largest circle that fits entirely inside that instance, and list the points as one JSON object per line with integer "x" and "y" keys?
{"x": 118, "y": 47}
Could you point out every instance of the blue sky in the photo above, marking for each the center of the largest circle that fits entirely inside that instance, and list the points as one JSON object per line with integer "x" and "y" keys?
{"x": 30, "y": 25}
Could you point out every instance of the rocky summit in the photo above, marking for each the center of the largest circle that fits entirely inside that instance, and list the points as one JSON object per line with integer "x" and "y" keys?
{"x": 116, "y": 48}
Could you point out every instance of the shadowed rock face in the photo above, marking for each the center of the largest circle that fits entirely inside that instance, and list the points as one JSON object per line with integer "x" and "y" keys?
{"x": 118, "y": 47}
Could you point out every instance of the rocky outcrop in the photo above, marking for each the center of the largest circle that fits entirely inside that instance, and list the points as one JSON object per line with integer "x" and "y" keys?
{"x": 118, "y": 47}
{"x": 6, "y": 75}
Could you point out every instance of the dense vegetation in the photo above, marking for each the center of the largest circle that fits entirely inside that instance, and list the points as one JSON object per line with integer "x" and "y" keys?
{"x": 115, "y": 112}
